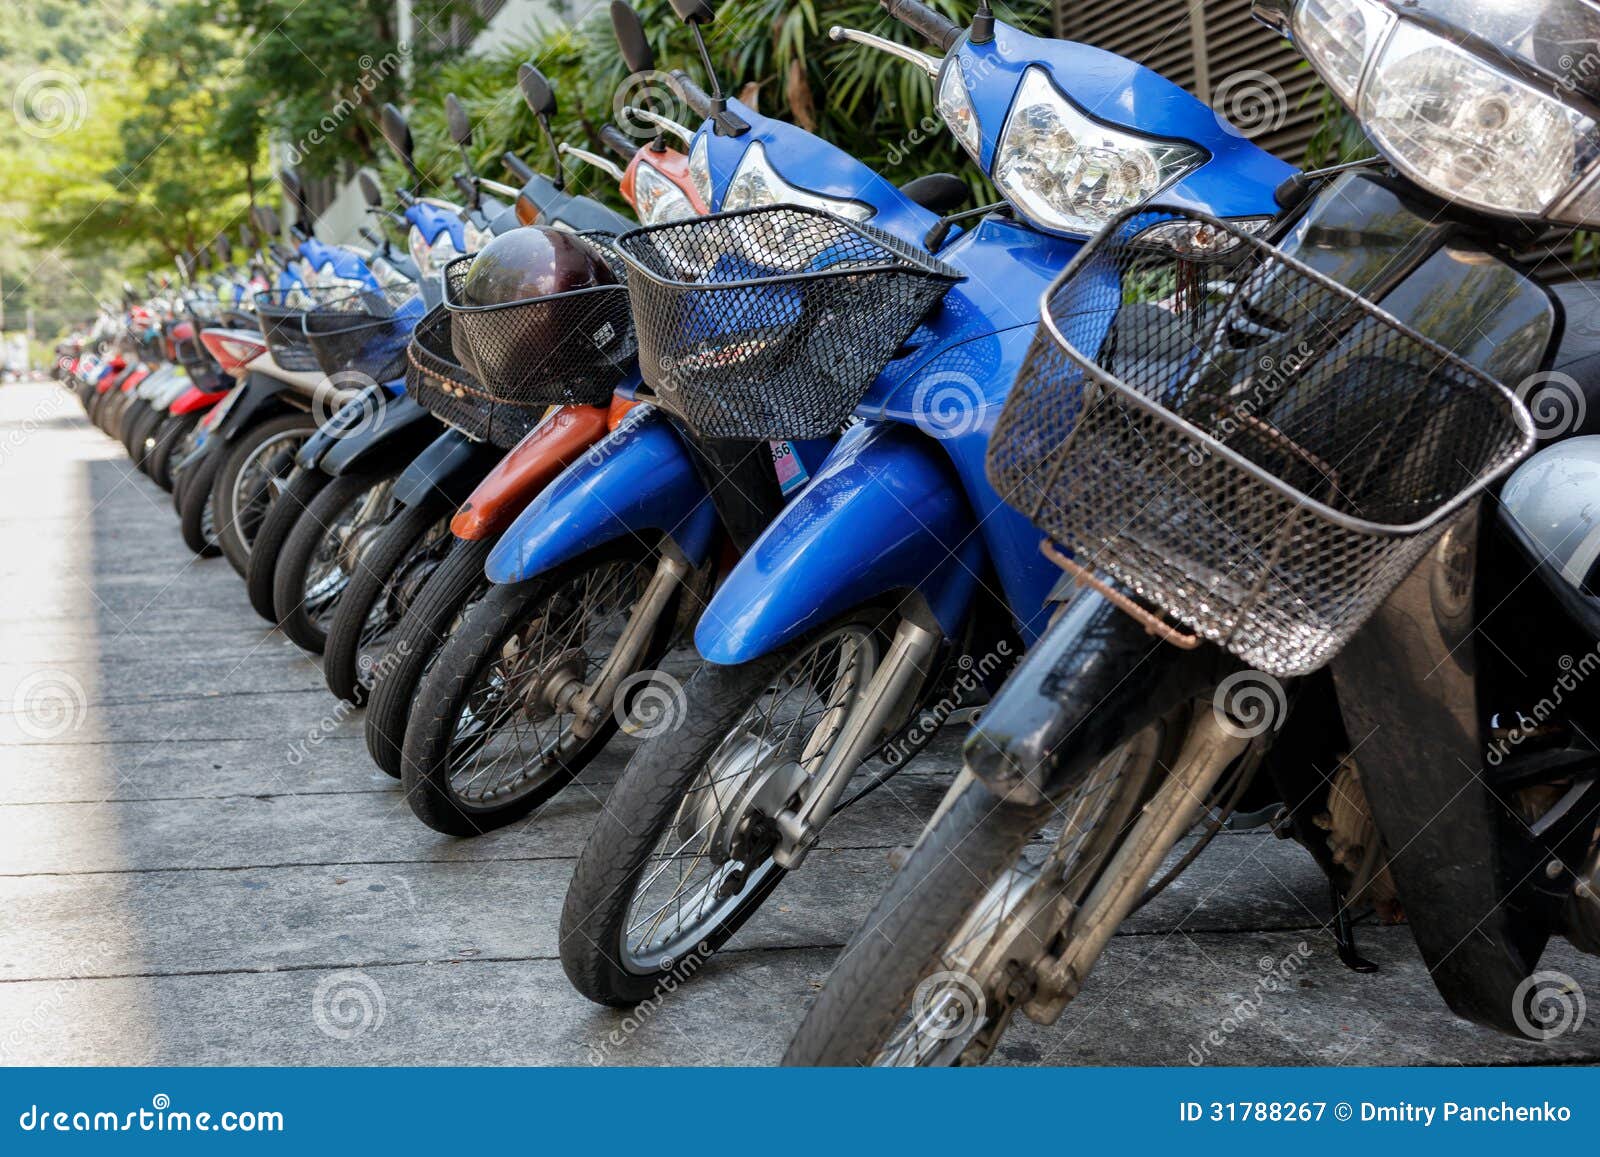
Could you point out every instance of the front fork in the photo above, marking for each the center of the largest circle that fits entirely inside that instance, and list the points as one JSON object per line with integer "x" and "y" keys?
{"x": 905, "y": 670}
{"x": 591, "y": 703}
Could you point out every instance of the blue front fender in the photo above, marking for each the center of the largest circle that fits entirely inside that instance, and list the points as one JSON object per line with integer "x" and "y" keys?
{"x": 885, "y": 513}
{"x": 637, "y": 478}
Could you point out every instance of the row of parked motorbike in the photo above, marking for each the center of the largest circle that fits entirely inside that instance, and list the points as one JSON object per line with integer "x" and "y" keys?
{"x": 1224, "y": 451}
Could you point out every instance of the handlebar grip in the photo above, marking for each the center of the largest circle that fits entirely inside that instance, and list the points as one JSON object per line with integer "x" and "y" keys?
{"x": 619, "y": 142}
{"x": 924, "y": 20}
{"x": 517, "y": 167}
{"x": 697, "y": 98}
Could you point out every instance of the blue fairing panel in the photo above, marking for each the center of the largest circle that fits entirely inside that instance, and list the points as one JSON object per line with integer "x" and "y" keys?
{"x": 639, "y": 478}
{"x": 885, "y": 514}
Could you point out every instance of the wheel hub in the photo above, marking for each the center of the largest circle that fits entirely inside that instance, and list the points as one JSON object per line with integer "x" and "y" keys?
{"x": 553, "y": 687}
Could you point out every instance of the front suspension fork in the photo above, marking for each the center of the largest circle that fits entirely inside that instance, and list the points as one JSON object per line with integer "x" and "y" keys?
{"x": 905, "y": 668}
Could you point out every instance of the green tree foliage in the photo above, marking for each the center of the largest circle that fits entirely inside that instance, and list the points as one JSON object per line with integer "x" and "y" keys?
{"x": 774, "y": 54}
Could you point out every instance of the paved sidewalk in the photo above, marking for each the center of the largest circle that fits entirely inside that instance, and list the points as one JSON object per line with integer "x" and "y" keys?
{"x": 198, "y": 863}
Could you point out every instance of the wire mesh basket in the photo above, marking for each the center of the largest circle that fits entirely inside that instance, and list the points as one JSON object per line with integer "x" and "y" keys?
{"x": 1244, "y": 443}
{"x": 183, "y": 336}
{"x": 364, "y": 333}
{"x": 278, "y": 311}
{"x": 772, "y": 323}
{"x": 444, "y": 387}
{"x": 570, "y": 348}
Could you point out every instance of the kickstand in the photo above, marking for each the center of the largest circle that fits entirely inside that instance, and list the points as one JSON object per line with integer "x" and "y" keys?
{"x": 1344, "y": 935}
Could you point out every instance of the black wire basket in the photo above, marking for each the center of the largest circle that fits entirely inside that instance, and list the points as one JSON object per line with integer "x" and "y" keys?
{"x": 772, "y": 323}
{"x": 189, "y": 352}
{"x": 562, "y": 349}
{"x": 278, "y": 311}
{"x": 363, "y": 333}
{"x": 1248, "y": 445}
{"x": 445, "y": 388}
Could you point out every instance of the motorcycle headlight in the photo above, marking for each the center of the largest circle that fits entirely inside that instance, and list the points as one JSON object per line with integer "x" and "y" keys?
{"x": 1457, "y": 123}
{"x": 1463, "y": 129}
{"x": 657, "y": 199}
{"x": 1071, "y": 174}
{"x": 431, "y": 259}
{"x": 475, "y": 238}
{"x": 955, "y": 106}
{"x": 1338, "y": 36}
{"x": 757, "y": 184}
{"x": 700, "y": 170}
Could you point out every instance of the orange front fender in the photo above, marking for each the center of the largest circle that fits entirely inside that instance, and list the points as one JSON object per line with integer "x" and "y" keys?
{"x": 546, "y": 450}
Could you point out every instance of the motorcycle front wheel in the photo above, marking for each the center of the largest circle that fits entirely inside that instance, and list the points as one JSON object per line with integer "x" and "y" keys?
{"x": 285, "y": 512}
{"x": 196, "y": 518}
{"x": 679, "y": 860}
{"x": 490, "y": 736}
{"x": 934, "y": 975}
{"x": 318, "y": 557}
{"x": 246, "y": 483}
{"x": 387, "y": 578}
{"x": 432, "y": 619}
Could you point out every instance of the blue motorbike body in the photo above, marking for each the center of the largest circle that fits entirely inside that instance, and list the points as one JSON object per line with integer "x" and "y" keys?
{"x": 643, "y": 478}
{"x": 946, "y": 393}
{"x": 637, "y": 479}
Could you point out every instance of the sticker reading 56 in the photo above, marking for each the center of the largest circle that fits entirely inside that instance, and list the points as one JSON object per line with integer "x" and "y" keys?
{"x": 1255, "y": 1111}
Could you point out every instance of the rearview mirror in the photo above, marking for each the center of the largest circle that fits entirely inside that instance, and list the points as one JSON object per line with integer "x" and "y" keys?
{"x": 456, "y": 117}
{"x": 631, "y": 40}
{"x": 224, "y": 249}
{"x": 370, "y": 192}
{"x": 693, "y": 11}
{"x": 265, "y": 219}
{"x": 536, "y": 91}
{"x": 398, "y": 135}
{"x": 247, "y": 239}
{"x": 294, "y": 193}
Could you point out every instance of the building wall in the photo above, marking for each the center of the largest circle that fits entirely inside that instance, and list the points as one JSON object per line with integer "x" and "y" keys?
{"x": 1216, "y": 50}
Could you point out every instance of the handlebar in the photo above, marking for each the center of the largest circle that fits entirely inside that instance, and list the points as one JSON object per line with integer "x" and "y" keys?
{"x": 698, "y": 100}
{"x": 518, "y": 168}
{"x": 923, "y": 20}
{"x": 618, "y": 142}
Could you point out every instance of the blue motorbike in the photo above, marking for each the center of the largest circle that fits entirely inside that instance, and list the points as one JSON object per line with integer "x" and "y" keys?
{"x": 897, "y": 587}
{"x": 599, "y": 573}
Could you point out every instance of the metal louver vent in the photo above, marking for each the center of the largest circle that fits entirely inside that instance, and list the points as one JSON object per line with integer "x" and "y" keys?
{"x": 1216, "y": 51}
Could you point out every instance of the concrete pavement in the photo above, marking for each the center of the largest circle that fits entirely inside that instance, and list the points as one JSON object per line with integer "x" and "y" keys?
{"x": 198, "y": 863}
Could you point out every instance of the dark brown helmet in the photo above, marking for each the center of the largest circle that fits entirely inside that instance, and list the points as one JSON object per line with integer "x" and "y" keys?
{"x": 533, "y": 261}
